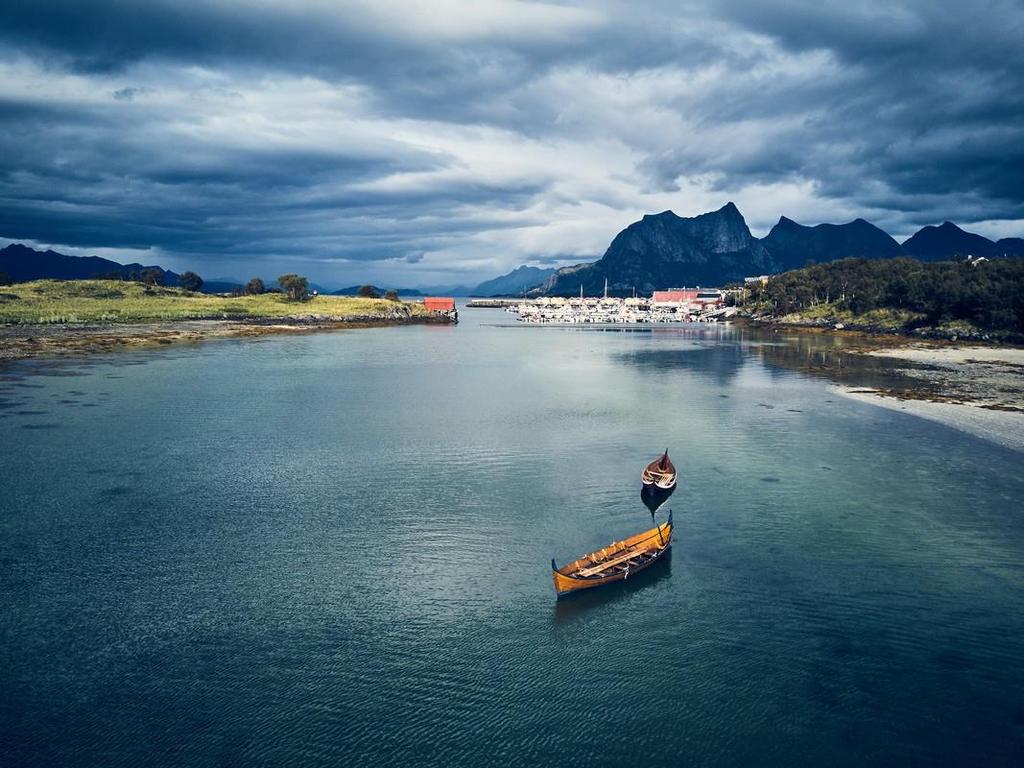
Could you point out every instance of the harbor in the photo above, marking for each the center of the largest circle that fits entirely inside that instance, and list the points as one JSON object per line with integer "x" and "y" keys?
{"x": 672, "y": 306}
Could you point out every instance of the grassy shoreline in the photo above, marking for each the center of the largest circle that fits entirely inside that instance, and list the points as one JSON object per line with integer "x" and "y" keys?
{"x": 75, "y": 302}
{"x": 49, "y": 318}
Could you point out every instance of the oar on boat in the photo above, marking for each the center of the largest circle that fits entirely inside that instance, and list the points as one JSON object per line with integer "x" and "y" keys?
{"x": 660, "y": 537}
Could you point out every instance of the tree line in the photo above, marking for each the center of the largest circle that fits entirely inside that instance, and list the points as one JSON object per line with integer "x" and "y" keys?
{"x": 295, "y": 287}
{"x": 987, "y": 293}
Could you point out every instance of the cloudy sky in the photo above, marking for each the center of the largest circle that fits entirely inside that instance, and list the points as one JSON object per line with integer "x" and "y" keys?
{"x": 448, "y": 141}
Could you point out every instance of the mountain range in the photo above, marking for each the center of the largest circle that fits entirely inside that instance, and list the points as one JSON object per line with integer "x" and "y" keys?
{"x": 21, "y": 263}
{"x": 663, "y": 250}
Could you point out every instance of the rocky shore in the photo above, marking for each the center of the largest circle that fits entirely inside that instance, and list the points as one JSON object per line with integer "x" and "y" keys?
{"x": 890, "y": 326}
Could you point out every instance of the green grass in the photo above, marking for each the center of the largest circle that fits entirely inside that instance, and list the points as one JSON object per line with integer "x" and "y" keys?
{"x": 893, "y": 319}
{"x": 114, "y": 301}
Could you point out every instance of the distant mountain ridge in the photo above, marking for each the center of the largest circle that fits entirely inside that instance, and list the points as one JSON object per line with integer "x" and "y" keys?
{"x": 515, "y": 283}
{"x": 21, "y": 264}
{"x": 948, "y": 240}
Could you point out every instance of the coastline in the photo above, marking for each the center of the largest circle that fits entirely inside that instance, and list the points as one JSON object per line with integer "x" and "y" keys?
{"x": 28, "y": 341}
{"x": 1000, "y": 427}
{"x": 975, "y": 389}
{"x": 892, "y": 330}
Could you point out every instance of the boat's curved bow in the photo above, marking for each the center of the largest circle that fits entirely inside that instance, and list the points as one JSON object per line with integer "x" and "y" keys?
{"x": 660, "y": 473}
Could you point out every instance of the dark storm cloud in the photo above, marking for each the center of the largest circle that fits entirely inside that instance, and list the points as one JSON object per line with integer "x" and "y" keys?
{"x": 109, "y": 35}
{"x": 927, "y": 98}
{"x": 468, "y": 137}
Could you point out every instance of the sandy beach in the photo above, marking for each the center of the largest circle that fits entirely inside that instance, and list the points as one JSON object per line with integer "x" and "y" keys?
{"x": 947, "y": 355}
{"x": 1005, "y": 428}
{"x": 979, "y": 390}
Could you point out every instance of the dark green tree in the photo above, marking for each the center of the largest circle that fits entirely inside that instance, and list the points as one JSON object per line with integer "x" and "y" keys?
{"x": 391, "y": 295}
{"x": 151, "y": 276}
{"x": 294, "y": 286}
{"x": 190, "y": 281}
{"x": 5, "y": 279}
{"x": 368, "y": 292}
{"x": 254, "y": 287}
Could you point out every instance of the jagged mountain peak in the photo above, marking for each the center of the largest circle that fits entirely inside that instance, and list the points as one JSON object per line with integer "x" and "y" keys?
{"x": 667, "y": 214}
{"x": 666, "y": 249}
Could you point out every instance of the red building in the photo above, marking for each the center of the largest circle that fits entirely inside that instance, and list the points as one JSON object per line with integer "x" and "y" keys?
{"x": 439, "y": 304}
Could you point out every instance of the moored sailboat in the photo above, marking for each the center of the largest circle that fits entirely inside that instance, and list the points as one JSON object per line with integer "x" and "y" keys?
{"x": 616, "y": 562}
{"x": 660, "y": 473}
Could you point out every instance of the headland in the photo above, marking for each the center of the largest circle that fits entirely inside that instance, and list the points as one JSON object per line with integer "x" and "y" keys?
{"x": 51, "y": 317}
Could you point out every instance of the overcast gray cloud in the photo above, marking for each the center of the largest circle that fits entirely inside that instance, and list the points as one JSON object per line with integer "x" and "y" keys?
{"x": 440, "y": 141}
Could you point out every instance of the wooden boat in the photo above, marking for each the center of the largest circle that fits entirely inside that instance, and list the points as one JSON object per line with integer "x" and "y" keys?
{"x": 616, "y": 562}
{"x": 660, "y": 473}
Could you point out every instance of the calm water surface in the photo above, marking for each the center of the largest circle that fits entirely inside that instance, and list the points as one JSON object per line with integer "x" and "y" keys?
{"x": 333, "y": 549}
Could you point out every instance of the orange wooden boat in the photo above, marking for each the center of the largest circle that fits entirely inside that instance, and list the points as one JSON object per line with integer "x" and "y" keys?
{"x": 660, "y": 473}
{"x": 616, "y": 562}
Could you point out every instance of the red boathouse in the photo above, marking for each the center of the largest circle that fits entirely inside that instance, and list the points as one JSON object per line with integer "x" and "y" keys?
{"x": 439, "y": 304}
{"x": 442, "y": 305}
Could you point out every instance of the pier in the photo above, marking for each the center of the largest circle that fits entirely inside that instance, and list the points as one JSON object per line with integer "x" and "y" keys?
{"x": 493, "y": 303}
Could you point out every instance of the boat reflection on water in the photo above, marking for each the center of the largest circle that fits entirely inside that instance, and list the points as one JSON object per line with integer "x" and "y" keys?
{"x": 653, "y": 497}
{"x": 581, "y": 602}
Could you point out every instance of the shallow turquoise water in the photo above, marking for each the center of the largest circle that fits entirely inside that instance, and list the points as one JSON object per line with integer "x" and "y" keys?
{"x": 333, "y": 549}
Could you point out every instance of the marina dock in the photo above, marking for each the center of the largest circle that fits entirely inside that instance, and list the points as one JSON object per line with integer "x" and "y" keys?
{"x": 614, "y": 311}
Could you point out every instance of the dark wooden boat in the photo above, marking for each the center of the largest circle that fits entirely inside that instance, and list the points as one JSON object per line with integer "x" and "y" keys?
{"x": 660, "y": 473}
{"x": 616, "y": 562}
